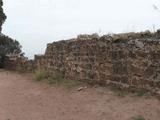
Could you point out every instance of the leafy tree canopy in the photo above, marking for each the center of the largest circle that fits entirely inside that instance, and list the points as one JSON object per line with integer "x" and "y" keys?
{"x": 8, "y": 46}
{"x": 2, "y": 15}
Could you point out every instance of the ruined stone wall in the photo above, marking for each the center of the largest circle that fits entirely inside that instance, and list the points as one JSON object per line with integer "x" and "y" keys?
{"x": 19, "y": 64}
{"x": 131, "y": 59}
{"x": 128, "y": 61}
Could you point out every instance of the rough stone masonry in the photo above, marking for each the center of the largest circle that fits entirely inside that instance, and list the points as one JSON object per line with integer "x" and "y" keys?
{"x": 131, "y": 59}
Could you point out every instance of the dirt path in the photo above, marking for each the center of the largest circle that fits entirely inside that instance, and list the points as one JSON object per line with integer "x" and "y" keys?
{"x": 22, "y": 98}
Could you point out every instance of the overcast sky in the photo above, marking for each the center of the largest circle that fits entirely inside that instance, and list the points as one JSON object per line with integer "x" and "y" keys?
{"x": 34, "y": 23}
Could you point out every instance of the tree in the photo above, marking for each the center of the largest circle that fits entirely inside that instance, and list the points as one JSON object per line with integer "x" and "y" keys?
{"x": 7, "y": 44}
{"x": 2, "y": 15}
{"x": 8, "y": 47}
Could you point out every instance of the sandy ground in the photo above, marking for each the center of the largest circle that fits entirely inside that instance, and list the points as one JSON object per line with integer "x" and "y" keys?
{"x": 22, "y": 98}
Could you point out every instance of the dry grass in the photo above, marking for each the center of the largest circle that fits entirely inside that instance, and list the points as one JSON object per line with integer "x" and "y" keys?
{"x": 138, "y": 118}
{"x": 59, "y": 80}
{"x": 40, "y": 75}
{"x": 56, "y": 78}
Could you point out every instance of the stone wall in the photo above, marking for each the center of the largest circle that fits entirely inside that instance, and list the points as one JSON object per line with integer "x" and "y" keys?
{"x": 19, "y": 64}
{"x": 131, "y": 59}
{"x": 124, "y": 59}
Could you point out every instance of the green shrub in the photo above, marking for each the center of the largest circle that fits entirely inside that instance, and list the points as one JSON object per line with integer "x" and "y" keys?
{"x": 40, "y": 75}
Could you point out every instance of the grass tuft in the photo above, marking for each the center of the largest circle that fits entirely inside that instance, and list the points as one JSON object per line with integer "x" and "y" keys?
{"x": 40, "y": 75}
{"x": 141, "y": 92}
{"x": 138, "y": 118}
{"x": 118, "y": 91}
{"x": 58, "y": 79}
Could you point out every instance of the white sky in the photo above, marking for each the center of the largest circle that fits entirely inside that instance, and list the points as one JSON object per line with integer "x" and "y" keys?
{"x": 34, "y": 23}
